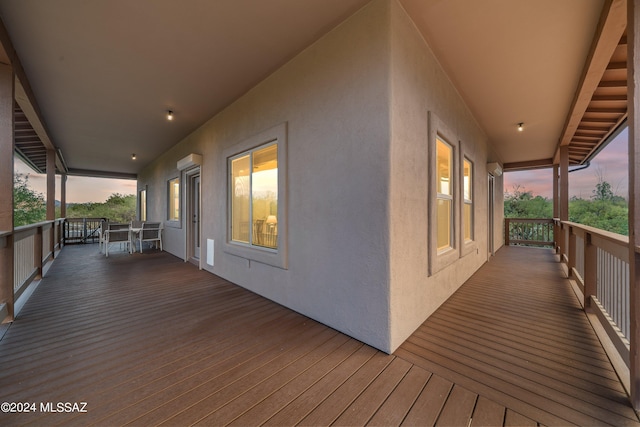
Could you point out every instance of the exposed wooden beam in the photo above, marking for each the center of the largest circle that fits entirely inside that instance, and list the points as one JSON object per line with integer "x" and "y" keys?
{"x": 604, "y": 98}
{"x": 102, "y": 174}
{"x": 617, "y": 65}
{"x": 611, "y": 27}
{"x": 533, "y": 164}
{"x": 24, "y": 96}
{"x": 613, "y": 83}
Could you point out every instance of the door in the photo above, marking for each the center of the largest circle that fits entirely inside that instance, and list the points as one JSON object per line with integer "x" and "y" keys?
{"x": 193, "y": 232}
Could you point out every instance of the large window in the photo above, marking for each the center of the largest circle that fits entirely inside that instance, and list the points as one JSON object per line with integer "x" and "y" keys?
{"x": 444, "y": 190}
{"x": 467, "y": 190}
{"x": 445, "y": 203}
{"x": 254, "y": 196}
{"x": 173, "y": 191}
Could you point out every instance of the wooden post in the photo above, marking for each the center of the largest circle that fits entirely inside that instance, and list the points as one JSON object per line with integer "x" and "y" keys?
{"x": 556, "y": 209}
{"x": 6, "y": 188}
{"x": 633, "y": 111}
{"x": 571, "y": 252}
{"x": 590, "y": 271}
{"x": 51, "y": 198}
{"x": 507, "y": 240}
{"x": 563, "y": 208}
{"x": 63, "y": 196}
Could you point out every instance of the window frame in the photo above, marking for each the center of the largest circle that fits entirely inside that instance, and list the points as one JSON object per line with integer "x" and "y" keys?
{"x": 274, "y": 257}
{"x": 468, "y": 202}
{"x": 440, "y": 259}
{"x": 250, "y": 153}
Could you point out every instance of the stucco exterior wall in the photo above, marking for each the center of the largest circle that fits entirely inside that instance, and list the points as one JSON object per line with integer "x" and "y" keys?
{"x": 356, "y": 108}
{"x": 420, "y": 87}
{"x": 334, "y": 99}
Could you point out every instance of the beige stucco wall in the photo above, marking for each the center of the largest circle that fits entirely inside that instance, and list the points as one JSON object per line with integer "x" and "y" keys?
{"x": 334, "y": 98}
{"x": 356, "y": 107}
{"x": 420, "y": 87}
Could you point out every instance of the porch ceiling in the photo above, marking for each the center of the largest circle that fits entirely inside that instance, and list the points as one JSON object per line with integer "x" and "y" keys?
{"x": 104, "y": 73}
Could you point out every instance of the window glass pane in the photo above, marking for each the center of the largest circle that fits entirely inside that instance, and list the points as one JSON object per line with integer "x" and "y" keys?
{"x": 444, "y": 162}
{"x": 174, "y": 200}
{"x": 143, "y": 205}
{"x": 264, "y": 195}
{"x": 444, "y": 224}
{"x": 467, "y": 221}
{"x": 240, "y": 199}
{"x": 468, "y": 199}
{"x": 467, "y": 179}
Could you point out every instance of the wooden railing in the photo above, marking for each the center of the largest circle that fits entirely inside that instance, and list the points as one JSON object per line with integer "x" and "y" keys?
{"x": 529, "y": 231}
{"x": 30, "y": 247}
{"x": 598, "y": 262}
{"x": 82, "y": 230}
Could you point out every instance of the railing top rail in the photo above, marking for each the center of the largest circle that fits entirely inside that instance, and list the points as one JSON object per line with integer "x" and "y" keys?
{"x": 35, "y": 225}
{"x": 545, "y": 220}
{"x": 614, "y": 237}
{"x": 87, "y": 219}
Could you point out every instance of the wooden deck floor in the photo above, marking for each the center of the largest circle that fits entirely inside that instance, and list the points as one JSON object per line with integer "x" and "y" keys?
{"x": 149, "y": 340}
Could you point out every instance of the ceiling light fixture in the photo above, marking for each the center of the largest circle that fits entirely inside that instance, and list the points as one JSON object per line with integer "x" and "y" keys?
{"x": 169, "y": 115}
{"x": 133, "y": 156}
{"x": 520, "y": 128}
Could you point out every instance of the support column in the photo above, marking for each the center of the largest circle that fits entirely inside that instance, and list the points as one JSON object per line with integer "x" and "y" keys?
{"x": 563, "y": 207}
{"x": 633, "y": 109}
{"x": 51, "y": 200}
{"x": 63, "y": 196}
{"x": 51, "y": 185}
{"x": 6, "y": 190}
{"x": 556, "y": 208}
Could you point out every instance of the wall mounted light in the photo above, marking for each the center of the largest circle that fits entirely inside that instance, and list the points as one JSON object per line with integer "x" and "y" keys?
{"x": 520, "y": 127}
{"x": 169, "y": 115}
{"x": 133, "y": 156}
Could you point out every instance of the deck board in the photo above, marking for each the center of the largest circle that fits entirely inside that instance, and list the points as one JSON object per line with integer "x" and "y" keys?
{"x": 533, "y": 354}
{"x": 147, "y": 339}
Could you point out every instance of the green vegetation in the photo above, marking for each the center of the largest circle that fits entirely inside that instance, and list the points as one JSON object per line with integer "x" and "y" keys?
{"x": 604, "y": 210}
{"x": 30, "y": 206}
{"x": 117, "y": 208}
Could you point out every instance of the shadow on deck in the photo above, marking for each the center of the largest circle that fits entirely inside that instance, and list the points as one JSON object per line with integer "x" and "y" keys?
{"x": 148, "y": 339}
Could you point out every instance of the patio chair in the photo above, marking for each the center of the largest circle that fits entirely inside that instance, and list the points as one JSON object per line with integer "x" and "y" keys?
{"x": 117, "y": 233}
{"x": 151, "y": 232}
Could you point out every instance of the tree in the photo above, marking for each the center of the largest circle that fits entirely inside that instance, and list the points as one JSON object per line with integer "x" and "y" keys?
{"x": 29, "y": 206}
{"x": 117, "y": 208}
{"x": 523, "y": 204}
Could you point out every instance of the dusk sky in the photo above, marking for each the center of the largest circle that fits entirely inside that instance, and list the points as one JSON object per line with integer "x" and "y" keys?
{"x": 611, "y": 164}
{"x": 79, "y": 189}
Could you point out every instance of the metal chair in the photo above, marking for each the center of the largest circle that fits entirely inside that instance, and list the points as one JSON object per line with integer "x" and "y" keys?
{"x": 151, "y": 232}
{"x": 117, "y": 233}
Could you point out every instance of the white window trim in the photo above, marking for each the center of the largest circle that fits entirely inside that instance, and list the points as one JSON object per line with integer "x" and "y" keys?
{"x": 173, "y": 222}
{"x": 438, "y": 260}
{"x": 468, "y": 246}
{"x": 278, "y": 257}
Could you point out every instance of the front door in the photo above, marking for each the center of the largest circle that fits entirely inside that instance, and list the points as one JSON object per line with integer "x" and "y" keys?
{"x": 193, "y": 241}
